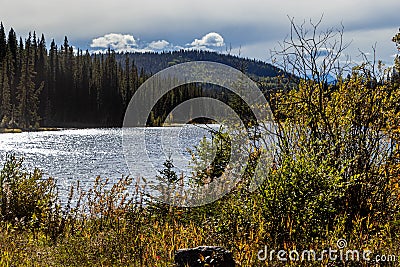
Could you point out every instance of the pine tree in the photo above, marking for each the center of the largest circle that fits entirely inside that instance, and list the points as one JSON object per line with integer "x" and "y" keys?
{"x": 51, "y": 80}
{"x": 12, "y": 44}
{"x": 28, "y": 94}
{"x": 3, "y": 43}
{"x": 5, "y": 99}
{"x": 127, "y": 82}
{"x": 41, "y": 76}
{"x": 9, "y": 72}
{"x": 34, "y": 46}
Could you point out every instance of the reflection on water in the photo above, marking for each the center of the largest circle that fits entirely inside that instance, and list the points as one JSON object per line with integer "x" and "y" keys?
{"x": 83, "y": 154}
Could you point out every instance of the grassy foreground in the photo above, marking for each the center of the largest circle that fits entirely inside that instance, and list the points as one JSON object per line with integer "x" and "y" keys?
{"x": 112, "y": 227}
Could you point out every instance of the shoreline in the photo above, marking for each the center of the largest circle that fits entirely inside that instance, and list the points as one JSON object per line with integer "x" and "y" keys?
{"x": 19, "y": 130}
{"x": 48, "y": 129}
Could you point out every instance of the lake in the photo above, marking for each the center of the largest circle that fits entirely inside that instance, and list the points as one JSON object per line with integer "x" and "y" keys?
{"x": 82, "y": 154}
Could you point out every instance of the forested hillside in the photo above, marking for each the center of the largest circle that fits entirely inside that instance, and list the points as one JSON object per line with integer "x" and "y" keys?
{"x": 154, "y": 62}
{"x": 57, "y": 86}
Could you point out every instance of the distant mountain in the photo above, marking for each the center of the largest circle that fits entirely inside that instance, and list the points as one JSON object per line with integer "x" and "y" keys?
{"x": 152, "y": 62}
{"x": 329, "y": 78}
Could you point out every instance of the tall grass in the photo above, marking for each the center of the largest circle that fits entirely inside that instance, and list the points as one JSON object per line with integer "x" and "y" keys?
{"x": 109, "y": 225}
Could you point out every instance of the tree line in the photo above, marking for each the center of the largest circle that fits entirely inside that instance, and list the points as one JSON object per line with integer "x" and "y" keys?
{"x": 60, "y": 87}
{"x": 63, "y": 87}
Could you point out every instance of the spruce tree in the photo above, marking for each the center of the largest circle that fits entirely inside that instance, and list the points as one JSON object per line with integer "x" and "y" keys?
{"x": 5, "y": 99}
{"x": 3, "y": 43}
{"x": 28, "y": 94}
{"x": 12, "y": 44}
{"x": 41, "y": 76}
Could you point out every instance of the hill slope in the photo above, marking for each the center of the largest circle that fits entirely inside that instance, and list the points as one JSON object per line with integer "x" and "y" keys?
{"x": 152, "y": 63}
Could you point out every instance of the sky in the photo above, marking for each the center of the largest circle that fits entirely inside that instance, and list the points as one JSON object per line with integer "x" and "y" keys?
{"x": 250, "y": 28}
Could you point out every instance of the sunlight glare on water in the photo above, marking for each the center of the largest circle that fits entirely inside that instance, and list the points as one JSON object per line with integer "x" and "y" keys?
{"x": 83, "y": 154}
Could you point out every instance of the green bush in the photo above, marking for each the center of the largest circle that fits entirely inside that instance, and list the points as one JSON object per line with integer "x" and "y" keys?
{"x": 26, "y": 199}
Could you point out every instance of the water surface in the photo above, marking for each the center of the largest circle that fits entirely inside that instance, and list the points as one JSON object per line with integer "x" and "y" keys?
{"x": 82, "y": 154}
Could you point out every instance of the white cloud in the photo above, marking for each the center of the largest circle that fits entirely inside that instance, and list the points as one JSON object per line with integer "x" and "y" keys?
{"x": 211, "y": 39}
{"x": 158, "y": 45}
{"x": 116, "y": 41}
{"x": 127, "y": 43}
